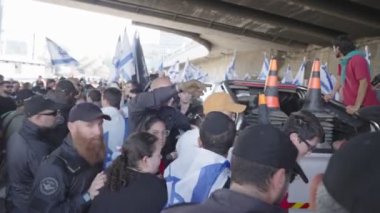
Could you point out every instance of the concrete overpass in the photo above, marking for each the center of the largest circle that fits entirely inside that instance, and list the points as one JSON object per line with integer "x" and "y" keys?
{"x": 289, "y": 29}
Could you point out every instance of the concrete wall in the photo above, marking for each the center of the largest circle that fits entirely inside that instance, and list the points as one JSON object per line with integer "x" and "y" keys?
{"x": 251, "y": 61}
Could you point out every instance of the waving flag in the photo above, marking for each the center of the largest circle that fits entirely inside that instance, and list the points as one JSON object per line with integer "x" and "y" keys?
{"x": 191, "y": 72}
{"x": 193, "y": 180}
{"x": 299, "y": 79}
{"x": 124, "y": 63}
{"x": 264, "y": 69}
{"x": 58, "y": 55}
{"x": 288, "y": 77}
{"x": 142, "y": 75}
{"x": 367, "y": 55}
{"x": 115, "y": 75}
{"x": 327, "y": 83}
{"x": 231, "y": 71}
{"x": 160, "y": 69}
{"x": 173, "y": 73}
{"x": 247, "y": 77}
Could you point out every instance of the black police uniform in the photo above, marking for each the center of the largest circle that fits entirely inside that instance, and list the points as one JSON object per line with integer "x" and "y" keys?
{"x": 62, "y": 181}
{"x": 25, "y": 151}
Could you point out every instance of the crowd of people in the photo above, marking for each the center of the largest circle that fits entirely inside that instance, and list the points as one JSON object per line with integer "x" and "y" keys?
{"x": 68, "y": 146}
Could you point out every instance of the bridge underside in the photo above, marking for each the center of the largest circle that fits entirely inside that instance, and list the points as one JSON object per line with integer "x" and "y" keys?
{"x": 247, "y": 24}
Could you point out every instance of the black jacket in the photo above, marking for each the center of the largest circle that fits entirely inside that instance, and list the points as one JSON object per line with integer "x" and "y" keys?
{"x": 154, "y": 100}
{"x": 227, "y": 201}
{"x": 62, "y": 180}
{"x": 25, "y": 151}
{"x": 146, "y": 193}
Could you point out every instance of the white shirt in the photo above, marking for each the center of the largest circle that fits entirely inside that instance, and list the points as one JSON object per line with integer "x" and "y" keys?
{"x": 113, "y": 132}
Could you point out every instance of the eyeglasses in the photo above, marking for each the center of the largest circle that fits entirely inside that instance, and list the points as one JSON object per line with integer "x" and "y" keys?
{"x": 54, "y": 113}
{"x": 164, "y": 133}
{"x": 310, "y": 147}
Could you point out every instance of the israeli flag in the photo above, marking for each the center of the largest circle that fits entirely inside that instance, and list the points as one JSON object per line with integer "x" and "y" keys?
{"x": 327, "y": 83}
{"x": 247, "y": 77}
{"x": 124, "y": 64}
{"x": 367, "y": 55}
{"x": 300, "y": 76}
{"x": 288, "y": 77}
{"x": 191, "y": 72}
{"x": 115, "y": 75}
{"x": 58, "y": 55}
{"x": 160, "y": 69}
{"x": 231, "y": 70}
{"x": 174, "y": 73}
{"x": 194, "y": 178}
{"x": 264, "y": 69}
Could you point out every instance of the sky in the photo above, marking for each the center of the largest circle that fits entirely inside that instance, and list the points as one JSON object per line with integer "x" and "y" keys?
{"x": 81, "y": 32}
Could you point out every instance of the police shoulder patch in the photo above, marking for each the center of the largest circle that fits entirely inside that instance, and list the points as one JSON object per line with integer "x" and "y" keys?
{"x": 49, "y": 186}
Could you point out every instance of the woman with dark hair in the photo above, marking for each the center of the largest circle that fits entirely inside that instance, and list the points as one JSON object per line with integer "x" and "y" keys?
{"x": 132, "y": 185}
{"x": 154, "y": 125}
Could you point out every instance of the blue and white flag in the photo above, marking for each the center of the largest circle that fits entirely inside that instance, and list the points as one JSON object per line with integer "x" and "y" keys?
{"x": 327, "y": 83}
{"x": 160, "y": 69}
{"x": 367, "y": 55}
{"x": 300, "y": 76}
{"x": 124, "y": 63}
{"x": 264, "y": 69}
{"x": 173, "y": 73}
{"x": 193, "y": 180}
{"x": 58, "y": 55}
{"x": 191, "y": 72}
{"x": 247, "y": 77}
{"x": 288, "y": 77}
{"x": 231, "y": 70}
{"x": 115, "y": 74}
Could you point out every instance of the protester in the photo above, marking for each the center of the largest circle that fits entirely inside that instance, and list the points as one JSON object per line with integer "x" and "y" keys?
{"x": 155, "y": 126}
{"x": 6, "y": 102}
{"x": 304, "y": 130}
{"x": 162, "y": 91}
{"x": 262, "y": 165}
{"x": 132, "y": 185}
{"x": 216, "y": 102}
{"x": 64, "y": 93}
{"x": 26, "y": 149}
{"x": 63, "y": 180}
{"x": 50, "y": 84}
{"x": 15, "y": 88}
{"x": 113, "y": 130}
{"x": 351, "y": 181}
{"x": 354, "y": 77}
{"x": 94, "y": 96}
{"x": 192, "y": 179}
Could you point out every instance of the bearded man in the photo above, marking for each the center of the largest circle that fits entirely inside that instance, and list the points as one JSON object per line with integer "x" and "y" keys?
{"x": 70, "y": 177}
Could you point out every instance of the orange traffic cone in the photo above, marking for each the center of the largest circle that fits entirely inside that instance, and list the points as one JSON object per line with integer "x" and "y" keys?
{"x": 270, "y": 90}
{"x": 313, "y": 100}
{"x": 263, "y": 111}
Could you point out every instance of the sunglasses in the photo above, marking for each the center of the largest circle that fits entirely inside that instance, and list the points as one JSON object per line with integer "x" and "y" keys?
{"x": 54, "y": 113}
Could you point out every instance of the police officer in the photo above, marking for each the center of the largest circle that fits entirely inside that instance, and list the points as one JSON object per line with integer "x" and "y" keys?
{"x": 66, "y": 180}
{"x": 27, "y": 147}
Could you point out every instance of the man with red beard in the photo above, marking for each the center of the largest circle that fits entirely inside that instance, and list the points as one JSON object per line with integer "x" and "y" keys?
{"x": 71, "y": 176}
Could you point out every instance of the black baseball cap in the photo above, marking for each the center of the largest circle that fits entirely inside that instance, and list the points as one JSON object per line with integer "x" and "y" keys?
{"x": 267, "y": 145}
{"x": 39, "y": 103}
{"x": 86, "y": 112}
{"x": 216, "y": 123}
{"x": 352, "y": 176}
